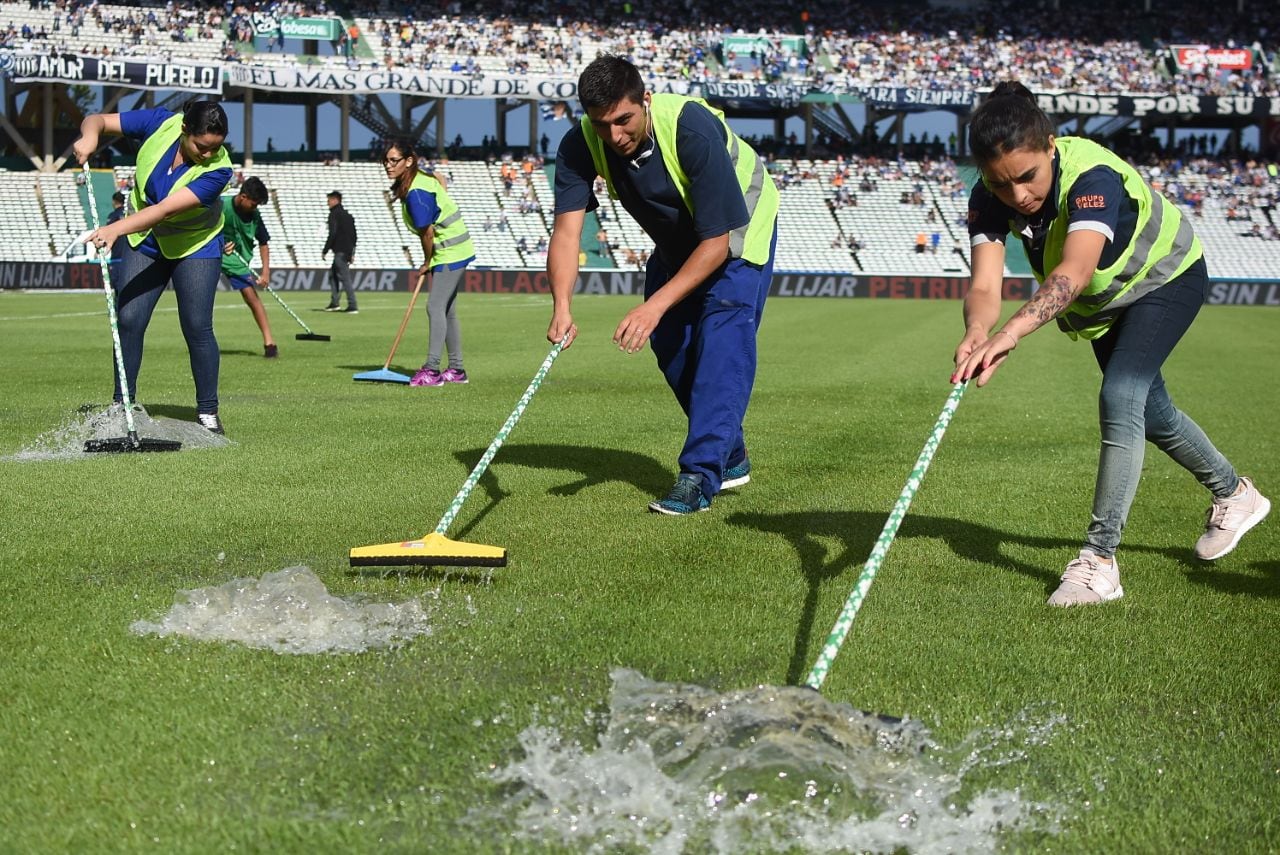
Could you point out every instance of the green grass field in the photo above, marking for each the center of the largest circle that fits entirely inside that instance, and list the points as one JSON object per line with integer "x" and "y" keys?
{"x": 110, "y": 741}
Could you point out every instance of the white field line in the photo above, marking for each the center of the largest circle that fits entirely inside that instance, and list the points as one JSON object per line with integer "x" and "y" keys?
{"x": 512, "y": 301}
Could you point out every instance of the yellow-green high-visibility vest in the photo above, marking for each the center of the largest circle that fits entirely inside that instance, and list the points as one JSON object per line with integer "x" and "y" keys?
{"x": 452, "y": 240}
{"x": 1162, "y": 247}
{"x": 750, "y": 242}
{"x": 181, "y": 234}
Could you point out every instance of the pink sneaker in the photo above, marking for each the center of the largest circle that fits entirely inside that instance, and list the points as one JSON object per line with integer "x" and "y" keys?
{"x": 1087, "y": 580}
{"x": 427, "y": 377}
{"x": 1229, "y": 519}
{"x": 454, "y": 375}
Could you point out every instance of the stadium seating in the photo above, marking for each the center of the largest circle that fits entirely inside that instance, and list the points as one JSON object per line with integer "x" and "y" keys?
{"x": 24, "y": 232}
{"x": 299, "y": 192}
{"x": 168, "y": 31}
{"x": 800, "y": 245}
{"x": 46, "y": 214}
{"x": 1094, "y": 46}
{"x": 1088, "y": 45}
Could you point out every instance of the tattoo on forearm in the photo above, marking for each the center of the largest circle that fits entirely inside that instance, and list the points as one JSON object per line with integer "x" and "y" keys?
{"x": 1053, "y": 296}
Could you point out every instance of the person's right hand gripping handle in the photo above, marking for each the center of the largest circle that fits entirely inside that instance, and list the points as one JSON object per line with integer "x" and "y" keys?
{"x": 562, "y": 270}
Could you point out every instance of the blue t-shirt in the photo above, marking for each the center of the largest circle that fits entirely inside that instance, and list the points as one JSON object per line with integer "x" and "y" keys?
{"x": 649, "y": 194}
{"x": 1097, "y": 201}
{"x": 423, "y": 212}
{"x": 140, "y": 124}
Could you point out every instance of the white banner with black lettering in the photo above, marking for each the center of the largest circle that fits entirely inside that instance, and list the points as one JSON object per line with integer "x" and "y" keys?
{"x": 112, "y": 71}
{"x": 337, "y": 80}
{"x": 432, "y": 84}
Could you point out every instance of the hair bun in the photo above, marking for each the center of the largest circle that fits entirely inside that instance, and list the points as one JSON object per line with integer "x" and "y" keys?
{"x": 1012, "y": 88}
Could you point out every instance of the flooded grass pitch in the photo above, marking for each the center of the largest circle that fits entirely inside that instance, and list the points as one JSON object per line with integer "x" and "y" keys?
{"x": 95, "y": 422}
{"x": 680, "y": 768}
{"x": 676, "y": 767}
{"x": 288, "y": 611}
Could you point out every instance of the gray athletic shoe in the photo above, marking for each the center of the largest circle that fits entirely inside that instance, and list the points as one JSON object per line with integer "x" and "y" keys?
{"x": 1088, "y": 579}
{"x": 1229, "y": 519}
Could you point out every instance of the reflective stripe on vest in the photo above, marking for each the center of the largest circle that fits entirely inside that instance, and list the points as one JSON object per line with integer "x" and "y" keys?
{"x": 1163, "y": 244}
{"x": 452, "y": 239}
{"x": 177, "y": 235}
{"x": 749, "y": 242}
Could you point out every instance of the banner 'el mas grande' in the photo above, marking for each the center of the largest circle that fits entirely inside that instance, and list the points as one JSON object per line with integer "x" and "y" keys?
{"x": 209, "y": 78}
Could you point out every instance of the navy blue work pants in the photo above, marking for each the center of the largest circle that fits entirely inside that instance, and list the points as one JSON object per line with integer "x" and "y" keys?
{"x": 706, "y": 349}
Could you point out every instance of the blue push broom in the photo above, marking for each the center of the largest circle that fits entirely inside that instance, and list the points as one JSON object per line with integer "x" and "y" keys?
{"x": 385, "y": 374}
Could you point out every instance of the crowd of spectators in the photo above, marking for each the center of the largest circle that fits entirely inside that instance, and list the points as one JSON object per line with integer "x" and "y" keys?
{"x": 149, "y": 30}
{"x": 1239, "y": 187}
{"x": 1244, "y": 191}
{"x": 1086, "y": 45}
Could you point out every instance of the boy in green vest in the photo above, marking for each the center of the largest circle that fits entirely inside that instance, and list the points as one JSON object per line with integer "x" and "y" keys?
{"x": 242, "y": 227}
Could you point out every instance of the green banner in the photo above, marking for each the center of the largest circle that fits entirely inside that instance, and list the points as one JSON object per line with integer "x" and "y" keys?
{"x": 311, "y": 28}
{"x": 744, "y": 45}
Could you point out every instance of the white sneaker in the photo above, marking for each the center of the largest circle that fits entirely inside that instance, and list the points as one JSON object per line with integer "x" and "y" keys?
{"x": 1088, "y": 579}
{"x": 1229, "y": 519}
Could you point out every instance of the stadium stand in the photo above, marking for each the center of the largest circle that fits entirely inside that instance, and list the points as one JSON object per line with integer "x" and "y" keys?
{"x": 1096, "y": 45}
{"x": 299, "y": 192}
{"x": 63, "y": 209}
{"x": 800, "y": 246}
{"x": 838, "y": 212}
{"x": 1233, "y": 208}
{"x": 24, "y": 230}
{"x": 168, "y": 30}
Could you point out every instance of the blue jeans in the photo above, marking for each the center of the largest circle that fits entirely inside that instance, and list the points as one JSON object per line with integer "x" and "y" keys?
{"x": 706, "y": 349}
{"x": 1134, "y": 404}
{"x": 142, "y": 279}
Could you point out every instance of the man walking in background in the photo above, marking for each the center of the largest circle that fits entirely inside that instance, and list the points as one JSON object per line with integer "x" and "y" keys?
{"x": 342, "y": 242}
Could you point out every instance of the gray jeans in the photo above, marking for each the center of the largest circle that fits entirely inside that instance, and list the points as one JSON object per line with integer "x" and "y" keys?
{"x": 1134, "y": 406}
{"x": 445, "y": 331}
{"x": 340, "y": 274}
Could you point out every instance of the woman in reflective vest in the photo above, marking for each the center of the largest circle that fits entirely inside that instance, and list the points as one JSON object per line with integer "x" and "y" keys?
{"x": 173, "y": 235}
{"x": 431, "y": 214}
{"x": 1119, "y": 266}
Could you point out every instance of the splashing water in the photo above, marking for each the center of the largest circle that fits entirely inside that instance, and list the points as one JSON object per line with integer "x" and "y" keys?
{"x": 289, "y": 611}
{"x": 66, "y": 441}
{"x": 680, "y": 768}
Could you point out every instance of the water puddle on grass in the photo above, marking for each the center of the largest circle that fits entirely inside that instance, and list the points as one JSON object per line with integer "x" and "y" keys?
{"x": 66, "y": 441}
{"x": 288, "y": 611}
{"x": 680, "y": 768}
